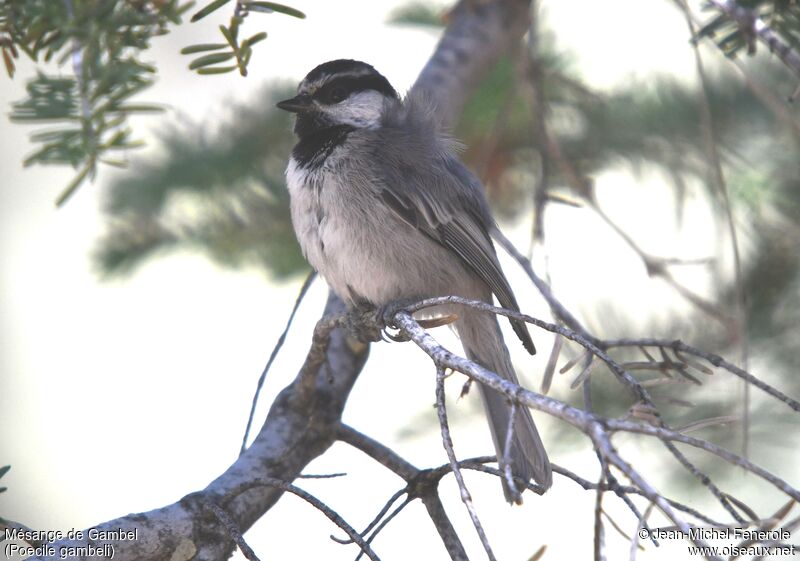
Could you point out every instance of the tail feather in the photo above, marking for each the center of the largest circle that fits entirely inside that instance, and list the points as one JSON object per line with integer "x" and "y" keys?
{"x": 483, "y": 342}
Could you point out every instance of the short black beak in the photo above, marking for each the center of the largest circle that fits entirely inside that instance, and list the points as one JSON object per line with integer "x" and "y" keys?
{"x": 297, "y": 104}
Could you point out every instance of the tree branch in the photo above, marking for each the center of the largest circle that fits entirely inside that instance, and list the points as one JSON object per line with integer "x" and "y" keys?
{"x": 304, "y": 420}
{"x": 598, "y": 429}
{"x": 295, "y": 432}
{"x": 479, "y": 32}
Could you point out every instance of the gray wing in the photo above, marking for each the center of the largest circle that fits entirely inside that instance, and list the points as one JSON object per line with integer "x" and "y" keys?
{"x": 449, "y": 207}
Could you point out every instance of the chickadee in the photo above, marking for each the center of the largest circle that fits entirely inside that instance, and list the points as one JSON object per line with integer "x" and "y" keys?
{"x": 385, "y": 211}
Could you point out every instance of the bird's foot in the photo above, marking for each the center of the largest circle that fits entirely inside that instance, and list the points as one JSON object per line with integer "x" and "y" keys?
{"x": 364, "y": 323}
{"x": 370, "y": 324}
{"x": 386, "y": 313}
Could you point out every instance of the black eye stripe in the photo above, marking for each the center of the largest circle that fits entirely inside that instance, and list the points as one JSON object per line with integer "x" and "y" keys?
{"x": 352, "y": 84}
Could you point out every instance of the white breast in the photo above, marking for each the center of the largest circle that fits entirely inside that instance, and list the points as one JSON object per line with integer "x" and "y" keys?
{"x": 307, "y": 213}
{"x": 320, "y": 228}
{"x": 359, "y": 246}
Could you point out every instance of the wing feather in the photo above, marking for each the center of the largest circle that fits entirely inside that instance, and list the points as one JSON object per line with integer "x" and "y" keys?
{"x": 459, "y": 220}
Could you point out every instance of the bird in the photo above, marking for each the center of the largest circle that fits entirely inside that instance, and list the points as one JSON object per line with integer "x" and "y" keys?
{"x": 385, "y": 212}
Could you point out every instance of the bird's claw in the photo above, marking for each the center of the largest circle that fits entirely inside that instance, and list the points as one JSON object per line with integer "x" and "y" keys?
{"x": 385, "y": 314}
{"x": 363, "y": 324}
{"x": 370, "y": 324}
{"x": 398, "y": 337}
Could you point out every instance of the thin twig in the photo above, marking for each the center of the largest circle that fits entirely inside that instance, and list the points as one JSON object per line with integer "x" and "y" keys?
{"x": 550, "y": 367}
{"x": 588, "y": 485}
{"x": 599, "y": 533}
{"x": 635, "y": 547}
{"x": 540, "y": 112}
{"x": 573, "y": 361}
{"x": 616, "y": 526}
{"x": 378, "y": 517}
{"x": 321, "y": 475}
{"x": 504, "y": 463}
{"x": 705, "y": 480}
{"x": 447, "y": 441}
{"x": 705, "y": 423}
{"x": 421, "y": 484}
{"x": 621, "y": 492}
{"x": 332, "y": 515}
{"x": 478, "y": 464}
{"x": 85, "y": 117}
{"x": 583, "y": 377}
{"x": 558, "y": 309}
{"x": 624, "y": 376}
{"x": 716, "y": 360}
{"x": 377, "y": 451}
{"x": 620, "y": 372}
{"x": 385, "y": 522}
{"x": 589, "y": 423}
{"x": 233, "y": 530}
{"x": 597, "y": 346}
{"x": 721, "y": 185}
{"x": 273, "y": 355}
{"x": 657, "y": 267}
{"x": 603, "y": 445}
{"x": 728, "y": 456}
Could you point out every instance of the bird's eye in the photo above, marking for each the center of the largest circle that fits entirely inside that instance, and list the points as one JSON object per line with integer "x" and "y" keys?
{"x": 337, "y": 94}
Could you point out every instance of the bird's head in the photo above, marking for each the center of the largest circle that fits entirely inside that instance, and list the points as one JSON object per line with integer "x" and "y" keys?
{"x": 340, "y": 92}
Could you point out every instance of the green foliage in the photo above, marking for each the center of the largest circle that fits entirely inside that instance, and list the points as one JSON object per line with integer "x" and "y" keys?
{"x": 102, "y": 42}
{"x": 658, "y": 125}
{"x": 269, "y": 7}
{"x": 417, "y": 13}
{"x": 212, "y": 7}
{"x": 654, "y": 123}
{"x": 222, "y": 194}
{"x": 782, "y": 16}
{"x": 242, "y": 50}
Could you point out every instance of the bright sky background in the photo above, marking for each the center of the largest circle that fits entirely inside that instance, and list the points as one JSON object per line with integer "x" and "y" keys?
{"x": 123, "y": 396}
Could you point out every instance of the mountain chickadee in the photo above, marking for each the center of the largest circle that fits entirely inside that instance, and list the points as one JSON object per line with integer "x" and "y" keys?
{"x": 385, "y": 211}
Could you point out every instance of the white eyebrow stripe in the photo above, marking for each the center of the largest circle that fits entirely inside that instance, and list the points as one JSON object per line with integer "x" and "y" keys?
{"x": 317, "y": 84}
